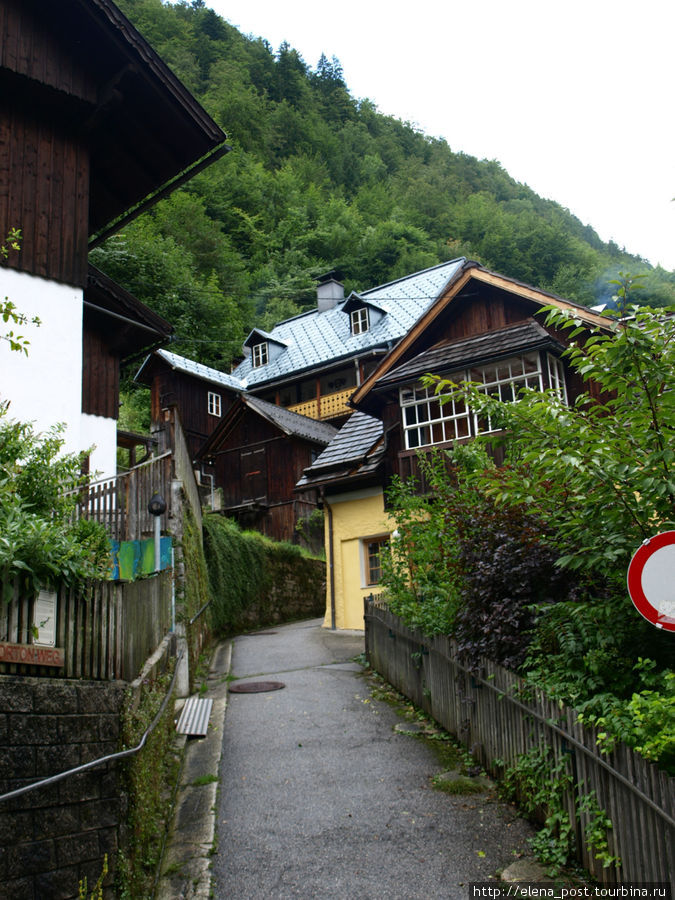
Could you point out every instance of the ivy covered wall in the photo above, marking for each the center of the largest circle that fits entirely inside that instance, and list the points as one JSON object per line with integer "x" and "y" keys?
{"x": 256, "y": 582}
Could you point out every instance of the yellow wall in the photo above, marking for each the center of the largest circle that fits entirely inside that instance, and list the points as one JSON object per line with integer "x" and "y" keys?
{"x": 353, "y": 516}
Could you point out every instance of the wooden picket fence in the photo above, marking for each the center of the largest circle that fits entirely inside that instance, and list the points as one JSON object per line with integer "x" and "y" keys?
{"x": 499, "y": 718}
{"x": 121, "y": 504}
{"x": 104, "y": 630}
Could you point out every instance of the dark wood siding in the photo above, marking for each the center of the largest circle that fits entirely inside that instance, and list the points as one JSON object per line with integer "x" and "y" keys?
{"x": 257, "y": 467}
{"x": 29, "y": 48}
{"x": 490, "y": 311}
{"x": 44, "y": 191}
{"x": 100, "y": 376}
{"x": 190, "y": 395}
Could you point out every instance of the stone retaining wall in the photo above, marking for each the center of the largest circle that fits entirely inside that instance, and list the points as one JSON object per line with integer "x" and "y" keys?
{"x": 53, "y": 837}
{"x": 299, "y": 592}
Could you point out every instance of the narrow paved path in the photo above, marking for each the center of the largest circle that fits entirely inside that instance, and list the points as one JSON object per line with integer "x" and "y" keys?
{"x": 321, "y": 798}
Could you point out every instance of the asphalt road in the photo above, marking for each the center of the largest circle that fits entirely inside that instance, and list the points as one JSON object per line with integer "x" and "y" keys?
{"x": 320, "y": 796}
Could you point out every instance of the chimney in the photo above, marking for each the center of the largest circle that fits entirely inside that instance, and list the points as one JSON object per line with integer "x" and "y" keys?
{"x": 329, "y": 292}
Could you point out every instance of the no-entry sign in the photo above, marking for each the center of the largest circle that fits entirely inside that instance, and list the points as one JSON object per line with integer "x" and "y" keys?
{"x": 651, "y": 580}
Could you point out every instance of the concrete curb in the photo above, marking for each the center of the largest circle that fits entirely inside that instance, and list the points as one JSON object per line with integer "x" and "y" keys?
{"x": 186, "y": 866}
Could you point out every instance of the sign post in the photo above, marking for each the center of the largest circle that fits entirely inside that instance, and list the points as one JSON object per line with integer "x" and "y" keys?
{"x": 651, "y": 580}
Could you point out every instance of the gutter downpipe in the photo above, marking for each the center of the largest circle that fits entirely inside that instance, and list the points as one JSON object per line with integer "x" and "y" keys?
{"x": 331, "y": 567}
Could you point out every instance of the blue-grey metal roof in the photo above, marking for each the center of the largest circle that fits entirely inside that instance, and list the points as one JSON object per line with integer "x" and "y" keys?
{"x": 315, "y": 339}
{"x": 200, "y": 371}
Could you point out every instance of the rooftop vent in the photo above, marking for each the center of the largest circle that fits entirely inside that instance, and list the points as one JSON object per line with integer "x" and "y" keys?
{"x": 329, "y": 292}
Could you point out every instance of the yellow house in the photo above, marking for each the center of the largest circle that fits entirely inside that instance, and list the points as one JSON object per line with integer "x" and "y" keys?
{"x": 357, "y": 527}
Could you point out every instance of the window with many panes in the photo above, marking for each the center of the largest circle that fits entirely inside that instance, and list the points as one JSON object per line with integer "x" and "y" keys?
{"x": 427, "y": 421}
{"x": 360, "y": 320}
{"x": 214, "y": 404}
{"x": 373, "y": 548}
{"x": 505, "y": 379}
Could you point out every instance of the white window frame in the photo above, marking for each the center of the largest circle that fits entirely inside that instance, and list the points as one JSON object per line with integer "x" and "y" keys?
{"x": 360, "y": 320}
{"x": 214, "y": 404}
{"x": 556, "y": 376}
{"x": 427, "y": 422}
{"x": 260, "y": 356}
{"x": 504, "y": 379}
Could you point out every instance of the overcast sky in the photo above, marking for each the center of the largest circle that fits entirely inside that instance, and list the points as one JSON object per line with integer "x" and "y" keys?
{"x": 574, "y": 99}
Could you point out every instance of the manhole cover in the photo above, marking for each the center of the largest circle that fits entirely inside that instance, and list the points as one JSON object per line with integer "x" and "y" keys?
{"x": 256, "y": 687}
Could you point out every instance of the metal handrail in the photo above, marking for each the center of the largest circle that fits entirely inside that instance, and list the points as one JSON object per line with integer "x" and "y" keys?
{"x": 103, "y": 759}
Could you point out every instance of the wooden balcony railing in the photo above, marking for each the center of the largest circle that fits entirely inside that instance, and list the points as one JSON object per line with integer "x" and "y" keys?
{"x": 329, "y": 406}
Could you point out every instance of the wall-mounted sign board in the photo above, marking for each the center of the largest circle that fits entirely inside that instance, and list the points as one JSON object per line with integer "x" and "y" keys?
{"x": 32, "y": 655}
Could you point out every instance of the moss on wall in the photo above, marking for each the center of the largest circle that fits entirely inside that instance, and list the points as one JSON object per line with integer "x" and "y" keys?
{"x": 255, "y": 581}
{"x": 196, "y": 592}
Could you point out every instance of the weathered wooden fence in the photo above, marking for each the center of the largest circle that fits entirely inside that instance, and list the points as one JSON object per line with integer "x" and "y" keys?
{"x": 104, "y": 630}
{"x": 121, "y": 504}
{"x": 498, "y": 717}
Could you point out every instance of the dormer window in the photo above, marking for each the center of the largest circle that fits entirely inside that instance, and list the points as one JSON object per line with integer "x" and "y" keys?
{"x": 260, "y": 355}
{"x": 360, "y": 320}
{"x": 214, "y": 405}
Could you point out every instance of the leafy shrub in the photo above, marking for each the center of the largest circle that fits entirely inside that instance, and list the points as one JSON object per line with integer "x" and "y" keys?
{"x": 39, "y": 485}
{"x": 237, "y": 570}
{"x": 465, "y": 565}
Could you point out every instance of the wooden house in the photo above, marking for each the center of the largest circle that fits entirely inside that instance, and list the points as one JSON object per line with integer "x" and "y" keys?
{"x": 202, "y": 395}
{"x": 93, "y": 129}
{"x": 259, "y": 451}
{"x": 308, "y": 365}
{"x": 484, "y": 328}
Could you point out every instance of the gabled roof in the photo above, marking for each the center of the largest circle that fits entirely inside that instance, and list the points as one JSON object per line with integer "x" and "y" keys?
{"x": 129, "y": 325}
{"x": 316, "y": 339}
{"x": 453, "y": 355}
{"x": 470, "y": 271}
{"x": 85, "y": 63}
{"x": 357, "y": 301}
{"x": 190, "y": 367}
{"x": 353, "y": 454}
{"x": 258, "y": 335}
{"x": 290, "y": 423}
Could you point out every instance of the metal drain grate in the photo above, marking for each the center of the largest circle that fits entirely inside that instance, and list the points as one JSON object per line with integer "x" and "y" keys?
{"x": 256, "y": 687}
{"x": 194, "y": 717}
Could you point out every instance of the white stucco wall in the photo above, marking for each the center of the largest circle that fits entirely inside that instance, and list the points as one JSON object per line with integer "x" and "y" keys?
{"x": 44, "y": 387}
{"x": 101, "y": 434}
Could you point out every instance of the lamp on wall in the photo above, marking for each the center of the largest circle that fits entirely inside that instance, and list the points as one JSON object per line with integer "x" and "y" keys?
{"x": 156, "y": 507}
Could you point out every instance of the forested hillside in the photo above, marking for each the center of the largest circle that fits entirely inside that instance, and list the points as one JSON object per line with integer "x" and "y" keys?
{"x": 315, "y": 181}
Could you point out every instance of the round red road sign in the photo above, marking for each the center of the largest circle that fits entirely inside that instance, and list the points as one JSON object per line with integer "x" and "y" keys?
{"x": 651, "y": 580}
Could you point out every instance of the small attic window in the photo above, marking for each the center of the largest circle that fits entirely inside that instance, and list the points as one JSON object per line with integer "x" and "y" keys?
{"x": 360, "y": 320}
{"x": 260, "y": 355}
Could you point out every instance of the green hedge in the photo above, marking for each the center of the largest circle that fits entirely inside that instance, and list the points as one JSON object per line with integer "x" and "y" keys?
{"x": 255, "y": 581}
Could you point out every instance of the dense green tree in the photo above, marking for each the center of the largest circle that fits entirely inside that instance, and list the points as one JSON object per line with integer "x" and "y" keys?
{"x": 317, "y": 180}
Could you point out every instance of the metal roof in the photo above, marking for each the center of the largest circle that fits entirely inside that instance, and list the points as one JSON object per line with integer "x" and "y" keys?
{"x": 316, "y": 339}
{"x": 194, "y": 368}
